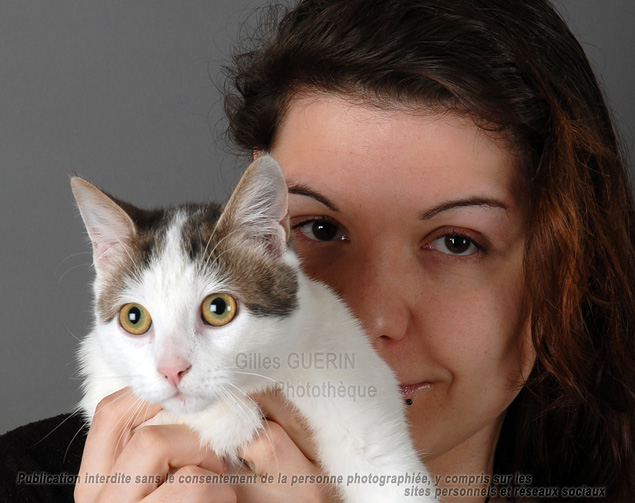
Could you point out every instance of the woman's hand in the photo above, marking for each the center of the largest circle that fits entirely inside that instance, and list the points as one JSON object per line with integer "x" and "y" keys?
{"x": 284, "y": 449}
{"x": 114, "y": 448}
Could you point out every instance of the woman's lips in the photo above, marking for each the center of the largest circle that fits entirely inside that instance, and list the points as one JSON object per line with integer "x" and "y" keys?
{"x": 408, "y": 390}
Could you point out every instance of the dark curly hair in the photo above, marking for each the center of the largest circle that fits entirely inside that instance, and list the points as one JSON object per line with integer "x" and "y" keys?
{"x": 514, "y": 67}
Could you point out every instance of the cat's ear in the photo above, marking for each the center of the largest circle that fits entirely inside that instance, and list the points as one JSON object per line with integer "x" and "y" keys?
{"x": 109, "y": 227}
{"x": 258, "y": 210}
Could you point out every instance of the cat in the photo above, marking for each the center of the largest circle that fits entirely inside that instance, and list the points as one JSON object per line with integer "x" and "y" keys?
{"x": 198, "y": 306}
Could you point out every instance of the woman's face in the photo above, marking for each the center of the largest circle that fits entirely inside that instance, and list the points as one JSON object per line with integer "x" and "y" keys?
{"x": 418, "y": 221}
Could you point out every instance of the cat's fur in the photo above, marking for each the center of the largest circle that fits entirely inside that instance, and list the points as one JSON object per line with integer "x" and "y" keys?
{"x": 169, "y": 261}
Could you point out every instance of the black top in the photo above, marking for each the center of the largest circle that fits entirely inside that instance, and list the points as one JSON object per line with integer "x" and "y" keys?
{"x": 40, "y": 461}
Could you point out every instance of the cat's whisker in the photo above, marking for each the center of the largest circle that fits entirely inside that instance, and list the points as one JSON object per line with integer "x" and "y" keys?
{"x": 79, "y": 430}
{"x": 123, "y": 395}
{"x": 256, "y": 375}
{"x": 70, "y": 269}
{"x": 76, "y": 374}
{"x": 211, "y": 254}
{"x": 68, "y": 257}
{"x": 226, "y": 395}
{"x": 122, "y": 430}
{"x": 104, "y": 377}
{"x": 230, "y": 393}
{"x": 140, "y": 410}
{"x": 239, "y": 390}
{"x": 73, "y": 335}
{"x": 211, "y": 236}
{"x": 265, "y": 426}
{"x": 238, "y": 403}
{"x": 133, "y": 268}
{"x": 71, "y": 415}
{"x": 148, "y": 404}
{"x": 134, "y": 407}
{"x": 218, "y": 257}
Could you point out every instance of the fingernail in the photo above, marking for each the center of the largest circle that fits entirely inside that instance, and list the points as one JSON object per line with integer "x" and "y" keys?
{"x": 223, "y": 469}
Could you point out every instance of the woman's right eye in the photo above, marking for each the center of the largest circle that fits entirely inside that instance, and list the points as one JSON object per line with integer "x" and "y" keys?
{"x": 320, "y": 229}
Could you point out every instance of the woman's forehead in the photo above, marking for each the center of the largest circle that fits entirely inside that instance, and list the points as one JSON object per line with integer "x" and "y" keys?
{"x": 327, "y": 139}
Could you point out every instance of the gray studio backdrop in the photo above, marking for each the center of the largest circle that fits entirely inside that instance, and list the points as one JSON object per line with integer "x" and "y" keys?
{"x": 124, "y": 93}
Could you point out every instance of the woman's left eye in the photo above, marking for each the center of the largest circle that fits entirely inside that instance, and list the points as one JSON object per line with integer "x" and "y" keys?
{"x": 455, "y": 244}
{"x": 320, "y": 229}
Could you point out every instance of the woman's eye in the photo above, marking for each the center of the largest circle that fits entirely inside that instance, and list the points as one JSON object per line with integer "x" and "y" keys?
{"x": 320, "y": 230}
{"x": 455, "y": 244}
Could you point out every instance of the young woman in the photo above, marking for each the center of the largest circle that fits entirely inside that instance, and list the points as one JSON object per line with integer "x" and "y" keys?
{"x": 480, "y": 222}
{"x": 455, "y": 176}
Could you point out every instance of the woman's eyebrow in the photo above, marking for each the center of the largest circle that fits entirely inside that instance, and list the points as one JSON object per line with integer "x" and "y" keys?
{"x": 303, "y": 190}
{"x": 459, "y": 203}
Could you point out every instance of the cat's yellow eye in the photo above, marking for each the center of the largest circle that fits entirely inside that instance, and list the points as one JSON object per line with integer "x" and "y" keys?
{"x": 135, "y": 319}
{"x": 218, "y": 309}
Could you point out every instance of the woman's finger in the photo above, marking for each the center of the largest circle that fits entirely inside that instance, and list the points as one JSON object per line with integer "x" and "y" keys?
{"x": 113, "y": 423}
{"x": 274, "y": 451}
{"x": 278, "y": 409}
{"x": 188, "y": 485}
{"x": 152, "y": 455}
{"x": 285, "y": 474}
{"x": 184, "y": 489}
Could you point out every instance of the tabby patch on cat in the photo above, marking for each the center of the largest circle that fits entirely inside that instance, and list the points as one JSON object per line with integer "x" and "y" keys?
{"x": 180, "y": 293}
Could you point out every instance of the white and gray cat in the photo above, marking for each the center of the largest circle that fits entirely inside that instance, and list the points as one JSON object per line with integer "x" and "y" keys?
{"x": 197, "y": 307}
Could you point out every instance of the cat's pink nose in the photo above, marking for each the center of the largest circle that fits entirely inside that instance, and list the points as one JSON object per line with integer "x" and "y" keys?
{"x": 174, "y": 374}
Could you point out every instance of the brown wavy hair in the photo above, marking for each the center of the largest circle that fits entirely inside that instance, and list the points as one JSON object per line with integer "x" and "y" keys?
{"x": 514, "y": 67}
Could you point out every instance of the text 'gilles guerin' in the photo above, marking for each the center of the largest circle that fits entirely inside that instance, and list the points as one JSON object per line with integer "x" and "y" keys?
{"x": 304, "y": 360}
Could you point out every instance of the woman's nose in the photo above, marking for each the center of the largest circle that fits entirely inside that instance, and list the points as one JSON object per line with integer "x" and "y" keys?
{"x": 377, "y": 288}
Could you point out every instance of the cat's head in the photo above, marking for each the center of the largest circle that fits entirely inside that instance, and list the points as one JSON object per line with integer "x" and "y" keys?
{"x": 179, "y": 292}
